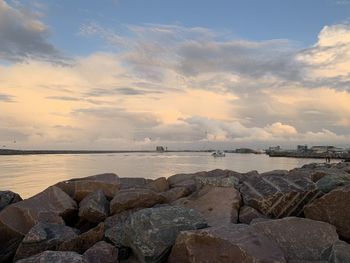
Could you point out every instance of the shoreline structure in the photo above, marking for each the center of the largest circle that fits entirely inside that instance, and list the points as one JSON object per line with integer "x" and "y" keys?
{"x": 300, "y": 215}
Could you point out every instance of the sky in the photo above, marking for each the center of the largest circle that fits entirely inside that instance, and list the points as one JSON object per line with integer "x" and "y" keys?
{"x": 186, "y": 74}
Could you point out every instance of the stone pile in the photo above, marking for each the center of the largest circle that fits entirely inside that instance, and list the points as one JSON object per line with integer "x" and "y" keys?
{"x": 296, "y": 216}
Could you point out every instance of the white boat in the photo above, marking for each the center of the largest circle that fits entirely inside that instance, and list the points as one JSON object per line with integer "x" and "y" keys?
{"x": 218, "y": 154}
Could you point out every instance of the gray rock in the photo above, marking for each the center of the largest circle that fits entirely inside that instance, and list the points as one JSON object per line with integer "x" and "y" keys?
{"x": 7, "y": 198}
{"x": 151, "y": 232}
{"x": 332, "y": 181}
{"x": 101, "y": 252}
{"x": 247, "y": 214}
{"x": 278, "y": 196}
{"x": 94, "y": 207}
{"x": 134, "y": 198}
{"x": 230, "y": 243}
{"x": 176, "y": 193}
{"x": 300, "y": 238}
{"x": 340, "y": 253}
{"x": 333, "y": 208}
{"x": 44, "y": 236}
{"x": 54, "y": 257}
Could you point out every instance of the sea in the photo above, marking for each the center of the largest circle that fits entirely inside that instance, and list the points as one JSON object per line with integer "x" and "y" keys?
{"x": 30, "y": 174}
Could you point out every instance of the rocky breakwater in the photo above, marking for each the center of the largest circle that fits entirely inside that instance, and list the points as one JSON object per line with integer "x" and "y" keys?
{"x": 295, "y": 216}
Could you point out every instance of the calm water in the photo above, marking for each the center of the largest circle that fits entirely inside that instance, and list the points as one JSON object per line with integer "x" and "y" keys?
{"x": 29, "y": 174}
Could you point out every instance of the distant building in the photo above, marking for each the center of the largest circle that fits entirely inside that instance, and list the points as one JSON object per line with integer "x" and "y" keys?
{"x": 274, "y": 148}
{"x": 302, "y": 148}
{"x": 160, "y": 149}
{"x": 322, "y": 148}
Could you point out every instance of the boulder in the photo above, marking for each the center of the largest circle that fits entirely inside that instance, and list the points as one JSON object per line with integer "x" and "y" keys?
{"x": 247, "y": 214}
{"x": 340, "y": 252}
{"x": 134, "y": 198}
{"x": 230, "y": 243}
{"x": 101, "y": 252}
{"x": 134, "y": 182}
{"x": 7, "y": 198}
{"x": 333, "y": 208}
{"x": 176, "y": 193}
{"x": 219, "y": 205}
{"x": 278, "y": 196}
{"x": 332, "y": 181}
{"x": 79, "y": 188}
{"x": 151, "y": 232}
{"x": 44, "y": 236}
{"x": 159, "y": 185}
{"x": 275, "y": 172}
{"x": 84, "y": 241}
{"x": 94, "y": 207}
{"x": 52, "y": 205}
{"x": 300, "y": 238}
{"x": 54, "y": 257}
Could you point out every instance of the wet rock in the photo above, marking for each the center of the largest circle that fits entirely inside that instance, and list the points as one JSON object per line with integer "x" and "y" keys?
{"x": 79, "y": 188}
{"x": 151, "y": 232}
{"x": 333, "y": 208}
{"x": 278, "y": 196}
{"x": 94, "y": 207}
{"x": 101, "y": 252}
{"x": 230, "y": 243}
{"x": 300, "y": 238}
{"x": 54, "y": 257}
{"x": 84, "y": 241}
{"x": 219, "y": 205}
{"x": 340, "y": 253}
{"x": 247, "y": 214}
{"x": 52, "y": 205}
{"x": 8, "y": 198}
{"x": 134, "y": 198}
{"x": 44, "y": 236}
{"x": 176, "y": 193}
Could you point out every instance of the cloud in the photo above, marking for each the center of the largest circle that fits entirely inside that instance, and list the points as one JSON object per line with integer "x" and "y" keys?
{"x": 23, "y": 36}
{"x": 6, "y": 98}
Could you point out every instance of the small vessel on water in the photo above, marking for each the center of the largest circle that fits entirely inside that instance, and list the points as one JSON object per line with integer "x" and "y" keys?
{"x": 218, "y": 154}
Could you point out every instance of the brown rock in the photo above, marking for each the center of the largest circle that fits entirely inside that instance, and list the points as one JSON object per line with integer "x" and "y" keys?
{"x": 278, "y": 196}
{"x": 333, "y": 208}
{"x": 134, "y": 198}
{"x": 79, "y": 188}
{"x": 44, "y": 236}
{"x": 134, "y": 182}
{"x": 159, "y": 185}
{"x": 176, "y": 193}
{"x": 225, "y": 244}
{"x": 247, "y": 214}
{"x": 54, "y": 257}
{"x": 50, "y": 206}
{"x": 8, "y": 198}
{"x": 219, "y": 205}
{"x": 101, "y": 252}
{"x": 94, "y": 207}
{"x": 84, "y": 241}
{"x": 300, "y": 238}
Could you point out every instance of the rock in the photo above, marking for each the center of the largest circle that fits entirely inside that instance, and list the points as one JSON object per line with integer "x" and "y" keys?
{"x": 275, "y": 172}
{"x": 219, "y": 205}
{"x": 44, "y": 236}
{"x": 340, "y": 253}
{"x": 300, "y": 238}
{"x": 94, "y": 207}
{"x": 79, "y": 188}
{"x": 159, "y": 185}
{"x": 230, "y": 243}
{"x": 7, "y": 198}
{"x": 52, "y": 205}
{"x": 84, "y": 241}
{"x": 333, "y": 208}
{"x": 133, "y": 198}
{"x": 54, "y": 257}
{"x": 101, "y": 252}
{"x": 247, "y": 214}
{"x": 278, "y": 196}
{"x": 332, "y": 181}
{"x": 176, "y": 193}
{"x": 151, "y": 232}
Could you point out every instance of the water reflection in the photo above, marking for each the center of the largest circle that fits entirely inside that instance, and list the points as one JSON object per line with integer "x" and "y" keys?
{"x": 31, "y": 174}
